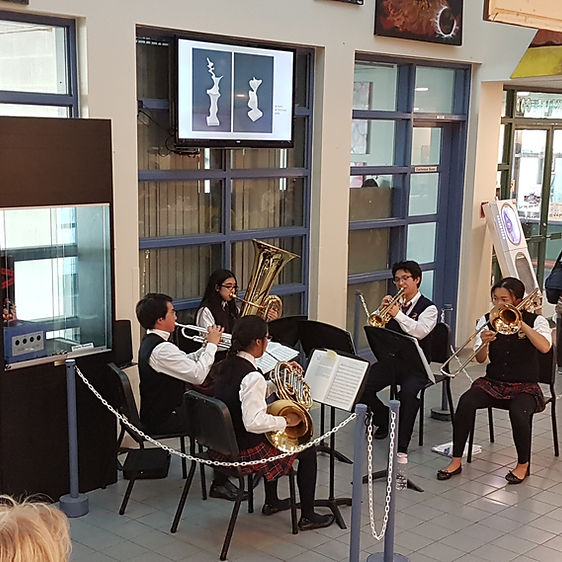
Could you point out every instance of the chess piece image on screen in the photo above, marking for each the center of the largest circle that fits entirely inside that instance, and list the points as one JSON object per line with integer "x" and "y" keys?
{"x": 254, "y": 114}
{"x": 214, "y": 95}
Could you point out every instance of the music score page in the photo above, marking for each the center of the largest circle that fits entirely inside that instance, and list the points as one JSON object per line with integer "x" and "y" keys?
{"x": 335, "y": 380}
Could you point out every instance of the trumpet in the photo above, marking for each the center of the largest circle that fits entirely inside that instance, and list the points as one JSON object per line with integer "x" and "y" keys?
{"x": 224, "y": 343}
{"x": 504, "y": 318}
{"x": 381, "y": 316}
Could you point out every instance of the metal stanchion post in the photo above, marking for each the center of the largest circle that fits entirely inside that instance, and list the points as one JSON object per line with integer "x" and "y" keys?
{"x": 357, "y": 491}
{"x": 389, "y": 555}
{"x": 73, "y": 504}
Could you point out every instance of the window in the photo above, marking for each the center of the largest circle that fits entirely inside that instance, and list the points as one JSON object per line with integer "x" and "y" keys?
{"x": 200, "y": 210}
{"x": 37, "y": 66}
{"x": 407, "y": 119}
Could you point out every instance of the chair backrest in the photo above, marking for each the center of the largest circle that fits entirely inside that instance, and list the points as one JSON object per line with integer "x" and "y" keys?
{"x": 547, "y": 364}
{"x": 285, "y": 330}
{"x": 316, "y": 335}
{"x": 212, "y": 423}
{"x": 441, "y": 342}
{"x": 128, "y": 406}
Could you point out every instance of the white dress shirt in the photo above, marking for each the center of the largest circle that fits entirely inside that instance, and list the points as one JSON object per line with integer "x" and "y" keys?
{"x": 540, "y": 325}
{"x": 254, "y": 390}
{"x": 169, "y": 359}
{"x": 204, "y": 318}
{"x": 422, "y": 325}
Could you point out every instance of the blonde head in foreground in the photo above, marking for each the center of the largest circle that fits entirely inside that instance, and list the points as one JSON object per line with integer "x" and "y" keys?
{"x": 32, "y": 531}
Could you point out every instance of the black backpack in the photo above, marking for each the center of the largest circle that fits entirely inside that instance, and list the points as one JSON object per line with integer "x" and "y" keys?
{"x": 553, "y": 283}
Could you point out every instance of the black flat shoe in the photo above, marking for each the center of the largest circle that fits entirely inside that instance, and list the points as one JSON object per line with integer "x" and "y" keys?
{"x": 316, "y": 522}
{"x": 381, "y": 432}
{"x": 224, "y": 492}
{"x": 281, "y": 505}
{"x": 512, "y": 479}
{"x": 445, "y": 474}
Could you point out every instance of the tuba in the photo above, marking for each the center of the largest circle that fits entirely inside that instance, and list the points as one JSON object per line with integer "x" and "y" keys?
{"x": 294, "y": 397}
{"x": 268, "y": 262}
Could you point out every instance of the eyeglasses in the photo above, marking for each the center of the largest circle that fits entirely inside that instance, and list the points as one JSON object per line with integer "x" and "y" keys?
{"x": 235, "y": 287}
{"x": 404, "y": 278}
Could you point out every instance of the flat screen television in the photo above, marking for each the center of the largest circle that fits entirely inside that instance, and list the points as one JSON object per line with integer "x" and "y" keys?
{"x": 231, "y": 95}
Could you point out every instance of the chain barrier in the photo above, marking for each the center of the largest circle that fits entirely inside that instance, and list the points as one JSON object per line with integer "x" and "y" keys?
{"x": 392, "y": 435}
{"x": 123, "y": 419}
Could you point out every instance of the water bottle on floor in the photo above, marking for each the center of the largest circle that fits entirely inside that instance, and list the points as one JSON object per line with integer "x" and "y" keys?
{"x": 401, "y": 471}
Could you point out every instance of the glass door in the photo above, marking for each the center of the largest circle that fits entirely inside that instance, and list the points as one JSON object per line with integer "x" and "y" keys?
{"x": 528, "y": 187}
{"x": 554, "y": 227}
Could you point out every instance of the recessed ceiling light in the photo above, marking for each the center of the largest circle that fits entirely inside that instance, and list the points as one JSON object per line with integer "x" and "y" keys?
{"x": 422, "y": 89}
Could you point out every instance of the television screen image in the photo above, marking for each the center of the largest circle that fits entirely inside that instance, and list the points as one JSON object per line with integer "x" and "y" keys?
{"x": 233, "y": 95}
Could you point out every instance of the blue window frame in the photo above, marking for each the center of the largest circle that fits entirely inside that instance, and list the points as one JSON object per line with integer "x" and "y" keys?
{"x": 200, "y": 210}
{"x": 407, "y": 176}
{"x": 48, "y": 53}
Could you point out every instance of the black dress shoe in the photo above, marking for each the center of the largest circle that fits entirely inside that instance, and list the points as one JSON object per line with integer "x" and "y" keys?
{"x": 280, "y": 505}
{"x": 225, "y": 492}
{"x": 512, "y": 479}
{"x": 445, "y": 474}
{"x": 381, "y": 432}
{"x": 315, "y": 522}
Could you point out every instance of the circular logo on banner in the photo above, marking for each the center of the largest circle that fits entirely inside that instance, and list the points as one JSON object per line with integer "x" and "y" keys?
{"x": 511, "y": 224}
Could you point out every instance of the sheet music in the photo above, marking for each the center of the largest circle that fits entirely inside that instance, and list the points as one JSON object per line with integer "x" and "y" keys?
{"x": 275, "y": 353}
{"x": 334, "y": 379}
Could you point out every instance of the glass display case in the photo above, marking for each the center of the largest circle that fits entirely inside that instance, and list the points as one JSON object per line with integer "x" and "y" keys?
{"x": 55, "y": 282}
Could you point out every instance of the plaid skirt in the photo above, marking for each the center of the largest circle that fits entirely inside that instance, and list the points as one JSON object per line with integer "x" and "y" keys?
{"x": 270, "y": 470}
{"x": 507, "y": 390}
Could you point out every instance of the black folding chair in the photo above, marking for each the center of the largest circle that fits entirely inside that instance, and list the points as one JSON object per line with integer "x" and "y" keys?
{"x": 213, "y": 429}
{"x": 440, "y": 352}
{"x": 141, "y": 460}
{"x": 547, "y": 375}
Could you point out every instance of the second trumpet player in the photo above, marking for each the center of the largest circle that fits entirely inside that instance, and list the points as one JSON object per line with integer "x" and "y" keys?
{"x": 415, "y": 315}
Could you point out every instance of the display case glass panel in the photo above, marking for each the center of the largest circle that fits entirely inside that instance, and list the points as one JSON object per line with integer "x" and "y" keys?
{"x": 55, "y": 265}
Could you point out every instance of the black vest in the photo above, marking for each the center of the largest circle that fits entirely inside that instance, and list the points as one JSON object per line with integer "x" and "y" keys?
{"x": 160, "y": 394}
{"x": 419, "y": 307}
{"x": 513, "y": 359}
{"x": 228, "y": 378}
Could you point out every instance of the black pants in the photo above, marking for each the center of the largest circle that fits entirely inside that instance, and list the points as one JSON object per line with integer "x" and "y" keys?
{"x": 306, "y": 482}
{"x": 521, "y": 409}
{"x": 380, "y": 376}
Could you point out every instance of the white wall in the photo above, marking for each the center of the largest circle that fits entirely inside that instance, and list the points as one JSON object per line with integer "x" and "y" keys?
{"x": 337, "y": 30}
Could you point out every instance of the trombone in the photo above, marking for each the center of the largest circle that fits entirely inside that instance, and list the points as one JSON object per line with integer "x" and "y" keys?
{"x": 224, "y": 343}
{"x": 381, "y": 316}
{"x": 503, "y": 318}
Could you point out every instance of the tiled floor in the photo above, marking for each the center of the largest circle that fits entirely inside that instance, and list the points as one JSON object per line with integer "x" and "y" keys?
{"x": 472, "y": 517}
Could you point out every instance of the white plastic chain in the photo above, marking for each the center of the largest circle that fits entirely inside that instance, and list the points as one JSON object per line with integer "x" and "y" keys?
{"x": 211, "y": 462}
{"x": 392, "y": 434}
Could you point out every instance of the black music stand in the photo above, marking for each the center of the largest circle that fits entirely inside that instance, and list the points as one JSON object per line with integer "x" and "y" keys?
{"x": 327, "y": 389}
{"x": 285, "y": 330}
{"x": 318, "y": 335}
{"x": 390, "y": 346}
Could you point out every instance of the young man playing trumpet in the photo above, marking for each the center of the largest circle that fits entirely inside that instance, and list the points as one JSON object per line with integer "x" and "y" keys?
{"x": 164, "y": 368}
{"x": 415, "y": 315}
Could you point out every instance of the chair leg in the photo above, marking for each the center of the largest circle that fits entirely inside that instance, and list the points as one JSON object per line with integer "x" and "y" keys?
{"x": 420, "y": 413}
{"x": 450, "y": 400}
{"x": 250, "y": 493}
{"x": 183, "y": 497}
{"x": 126, "y": 496}
{"x": 491, "y": 425}
{"x": 183, "y": 459}
{"x": 471, "y": 440}
{"x": 233, "y": 518}
{"x": 292, "y": 494}
{"x": 202, "y": 473}
{"x": 554, "y": 426}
